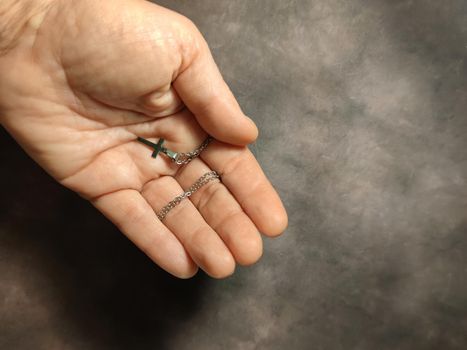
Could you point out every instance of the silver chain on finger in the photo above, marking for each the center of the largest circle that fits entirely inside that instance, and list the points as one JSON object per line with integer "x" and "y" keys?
{"x": 203, "y": 180}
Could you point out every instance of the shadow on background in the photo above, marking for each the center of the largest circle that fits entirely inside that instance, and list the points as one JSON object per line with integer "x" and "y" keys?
{"x": 101, "y": 286}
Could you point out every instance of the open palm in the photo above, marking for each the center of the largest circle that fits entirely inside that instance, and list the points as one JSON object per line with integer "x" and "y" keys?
{"x": 86, "y": 78}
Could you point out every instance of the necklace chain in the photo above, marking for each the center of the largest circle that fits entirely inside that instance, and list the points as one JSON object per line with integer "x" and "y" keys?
{"x": 184, "y": 158}
{"x": 203, "y": 180}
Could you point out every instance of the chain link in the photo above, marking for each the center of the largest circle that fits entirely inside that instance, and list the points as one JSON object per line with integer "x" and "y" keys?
{"x": 185, "y": 158}
{"x": 203, "y": 180}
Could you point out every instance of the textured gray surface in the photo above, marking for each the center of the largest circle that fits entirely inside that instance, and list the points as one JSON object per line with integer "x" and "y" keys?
{"x": 362, "y": 107}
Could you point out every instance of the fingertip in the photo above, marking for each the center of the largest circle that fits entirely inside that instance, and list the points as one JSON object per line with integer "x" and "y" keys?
{"x": 252, "y": 250}
{"x": 276, "y": 225}
{"x": 242, "y": 132}
{"x": 186, "y": 273}
{"x": 223, "y": 268}
{"x": 180, "y": 264}
{"x": 253, "y": 131}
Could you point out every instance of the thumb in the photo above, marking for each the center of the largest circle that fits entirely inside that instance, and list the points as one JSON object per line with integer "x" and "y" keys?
{"x": 203, "y": 90}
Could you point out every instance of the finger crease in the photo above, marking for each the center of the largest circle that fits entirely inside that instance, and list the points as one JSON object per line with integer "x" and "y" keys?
{"x": 226, "y": 218}
{"x": 208, "y": 194}
{"x": 232, "y": 165}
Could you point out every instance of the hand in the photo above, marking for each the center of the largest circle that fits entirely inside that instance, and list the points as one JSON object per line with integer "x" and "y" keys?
{"x": 83, "y": 78}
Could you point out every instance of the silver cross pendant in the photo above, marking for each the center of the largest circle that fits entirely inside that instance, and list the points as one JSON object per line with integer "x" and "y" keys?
{"x": 159, "y": 148}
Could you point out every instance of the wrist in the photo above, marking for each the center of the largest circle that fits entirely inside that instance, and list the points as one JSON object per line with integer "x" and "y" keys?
{"x": 16, "y": 16}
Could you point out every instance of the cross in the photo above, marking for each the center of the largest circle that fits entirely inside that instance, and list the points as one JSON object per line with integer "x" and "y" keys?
{"x": 157, "y": 147}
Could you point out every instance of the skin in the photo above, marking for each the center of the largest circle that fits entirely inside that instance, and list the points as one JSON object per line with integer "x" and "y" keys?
{"x": 80, "y": 80}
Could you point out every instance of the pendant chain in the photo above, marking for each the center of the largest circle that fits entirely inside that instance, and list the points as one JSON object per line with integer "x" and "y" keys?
{"x": 203, "y": 180}
{"x": 185, "y": 158}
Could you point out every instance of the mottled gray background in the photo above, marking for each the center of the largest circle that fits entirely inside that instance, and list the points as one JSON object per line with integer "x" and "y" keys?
{"x": 362, "y": 107}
